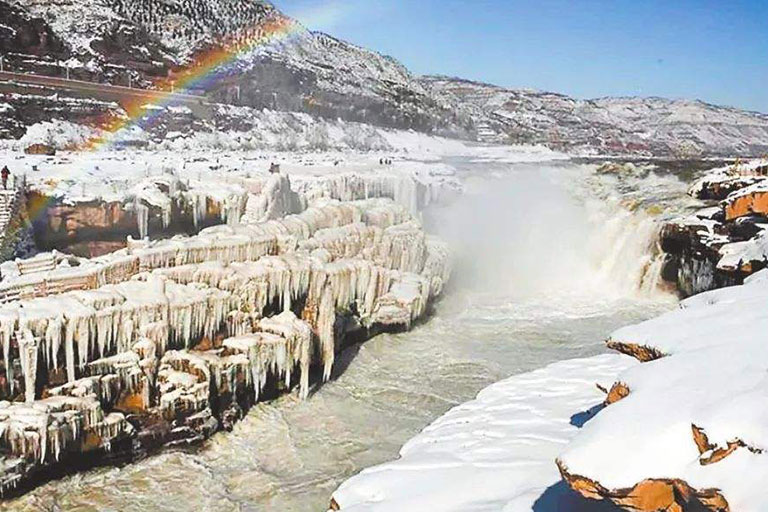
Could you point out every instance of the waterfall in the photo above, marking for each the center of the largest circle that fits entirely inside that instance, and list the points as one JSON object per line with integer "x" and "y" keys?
{"x": 544, "y": 231}
{"x": 624, "y": 249}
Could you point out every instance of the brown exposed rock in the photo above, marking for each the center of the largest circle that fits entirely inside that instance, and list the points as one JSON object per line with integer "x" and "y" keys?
{"x": 333, "y": 505}
{"x": 718, "y": 453}
{"x": 642, "y": 353}
{"x": 40, "y": 149}
{"x": 618, "y": 391}
{"x": 701, "y": 439}
{"x": 652, "y": 495}
{"x": 95, "y": 248}
{"x": 23, "y": 33}
{"x": 721, "y": 453}
{"x": 754, "y": 202}
{"x": 91, "y": 442}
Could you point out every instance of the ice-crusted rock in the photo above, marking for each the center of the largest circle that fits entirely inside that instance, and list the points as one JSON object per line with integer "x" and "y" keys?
{"x": 720, "y": 245}
{"x": 184, "y": 334}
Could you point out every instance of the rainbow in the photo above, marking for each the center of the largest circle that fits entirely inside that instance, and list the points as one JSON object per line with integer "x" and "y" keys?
{"x": 205, "y": 69}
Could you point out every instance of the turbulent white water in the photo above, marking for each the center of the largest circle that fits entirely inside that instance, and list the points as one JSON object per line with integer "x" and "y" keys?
{"x": 550, "y": 260}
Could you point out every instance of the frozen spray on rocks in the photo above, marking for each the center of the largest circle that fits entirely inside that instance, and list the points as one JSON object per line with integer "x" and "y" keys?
{"x": 165, "y": 342}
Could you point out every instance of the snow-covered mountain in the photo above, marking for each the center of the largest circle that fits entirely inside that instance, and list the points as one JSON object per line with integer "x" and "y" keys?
{"x": 654, "y": 126}
{"x": 141, "y": 41}
{"x": 312, "y": 72}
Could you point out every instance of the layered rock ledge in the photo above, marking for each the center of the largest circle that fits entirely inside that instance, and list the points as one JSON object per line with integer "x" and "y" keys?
{"x": 725, "y": 241}
{"x": 166, "y": 342}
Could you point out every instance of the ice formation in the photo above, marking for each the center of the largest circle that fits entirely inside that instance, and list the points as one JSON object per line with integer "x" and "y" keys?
{"x": 182, "y": 328}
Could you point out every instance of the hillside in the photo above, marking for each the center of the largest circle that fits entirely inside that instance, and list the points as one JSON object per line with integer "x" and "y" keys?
{"x": 654, "y": 126}
{"x": 150, "y": 40}
{"x": 144, "y": 43}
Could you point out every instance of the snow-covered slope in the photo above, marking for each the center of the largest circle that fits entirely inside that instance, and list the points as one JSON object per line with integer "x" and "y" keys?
{"x": 306, "y": 71}
{"x": 694, "y": 420}
{"x": 143, "y": 42}
{"x": 493, "y": 453}
{"x": 655, "y": 126}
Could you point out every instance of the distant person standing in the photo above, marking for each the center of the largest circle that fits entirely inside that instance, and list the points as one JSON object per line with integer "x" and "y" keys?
{"x": 5, "y": 173}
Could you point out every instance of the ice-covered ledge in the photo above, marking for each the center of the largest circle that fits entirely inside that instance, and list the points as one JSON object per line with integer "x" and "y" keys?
{"x": 167, "y": 341}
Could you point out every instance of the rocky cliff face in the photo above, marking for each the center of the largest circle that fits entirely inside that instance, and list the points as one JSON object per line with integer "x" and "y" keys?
{"x": 725, "y": 242}
{"x": 22, "y": 32}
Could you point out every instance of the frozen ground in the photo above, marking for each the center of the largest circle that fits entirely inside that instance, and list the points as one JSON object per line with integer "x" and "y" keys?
{"x": 108, "y": 173}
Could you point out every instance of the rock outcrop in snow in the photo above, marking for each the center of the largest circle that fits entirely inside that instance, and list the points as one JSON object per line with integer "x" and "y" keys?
{"x": 724, "y": 242}
{"x": 690, "y": 428}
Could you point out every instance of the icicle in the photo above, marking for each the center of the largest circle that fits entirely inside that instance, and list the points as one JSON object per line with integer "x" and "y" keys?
{"x": 53, "y": 340}
{"x": 326, "y": 318}
{"x": 28, "y": 351}
{"x": 142, "y": 218}
{"x": 8, "y": 322}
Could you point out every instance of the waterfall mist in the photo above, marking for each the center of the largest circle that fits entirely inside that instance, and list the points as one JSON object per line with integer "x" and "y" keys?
{"x": 537, "y": 231}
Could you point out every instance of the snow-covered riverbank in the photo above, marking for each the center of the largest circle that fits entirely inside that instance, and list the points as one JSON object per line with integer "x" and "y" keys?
{"x": 684, "y": 430}
{"x": 290, "y": 455}
{"x": 495, "y": 452}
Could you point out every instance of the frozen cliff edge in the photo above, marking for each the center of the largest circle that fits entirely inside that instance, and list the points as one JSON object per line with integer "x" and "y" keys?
{"x": 165, "y": 342}
{"x": 725, "y": 241}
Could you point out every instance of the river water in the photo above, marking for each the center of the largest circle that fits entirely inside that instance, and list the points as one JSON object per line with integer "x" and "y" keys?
{"x": 550, "y": 259}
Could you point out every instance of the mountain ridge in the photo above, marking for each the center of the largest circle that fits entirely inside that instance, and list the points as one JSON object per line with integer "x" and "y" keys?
{"x": 139, "y": 42}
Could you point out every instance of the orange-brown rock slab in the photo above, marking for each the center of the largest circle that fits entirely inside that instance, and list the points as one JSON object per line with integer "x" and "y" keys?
{"x": 651, "y": 495}
{"x": 136, "y": 403}
{"x": 755, "y": 202}
{"x": 91, "y": 442}
{"x": 40, "y": 149}
{"x": 334, "y": 505}
{"x": 701, "y": 439}
{"x": 718, "y": 453}
{"x": 618, "y": 391}
{"x": 640, "y": 352}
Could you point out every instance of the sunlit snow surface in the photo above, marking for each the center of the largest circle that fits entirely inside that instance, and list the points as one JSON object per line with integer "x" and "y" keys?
{"x": 496, "y": 452}
{"x": 290, "y": 455}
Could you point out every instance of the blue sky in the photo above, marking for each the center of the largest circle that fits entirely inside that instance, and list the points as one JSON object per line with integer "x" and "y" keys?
{"x": 716, "y": 51}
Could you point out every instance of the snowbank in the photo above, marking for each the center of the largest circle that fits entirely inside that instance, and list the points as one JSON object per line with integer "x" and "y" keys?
{"x": 494, "y": 453}
{"x": 59, "y": 134}
{"x": 692, "y": 427}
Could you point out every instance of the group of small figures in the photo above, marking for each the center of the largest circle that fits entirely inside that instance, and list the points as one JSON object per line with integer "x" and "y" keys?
{"x": 385, "y": 161}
